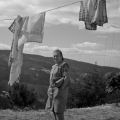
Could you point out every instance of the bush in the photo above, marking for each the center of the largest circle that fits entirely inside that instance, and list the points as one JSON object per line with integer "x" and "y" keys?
{"x": 113, "y": 87}
{"x": 89, "y": 91}
{"x": 5, "y": 101}
{"x": 113, "y": 82}
{"x": 22, "y": 96}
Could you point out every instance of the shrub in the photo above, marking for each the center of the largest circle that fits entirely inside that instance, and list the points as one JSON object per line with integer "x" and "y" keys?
{"x": 89, "y": 91}
{"x": 5, "y": 101}
{"x": 113, "y": 87}
{"x": 113, "y": 82}
{"x": 22, "y": 96}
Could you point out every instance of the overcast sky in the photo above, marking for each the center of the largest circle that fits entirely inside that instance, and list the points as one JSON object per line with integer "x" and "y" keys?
{"x": 64, "y": 31}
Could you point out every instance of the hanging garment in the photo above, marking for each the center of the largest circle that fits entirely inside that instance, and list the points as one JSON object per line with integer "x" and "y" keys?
{"x": 91, "y": 7}
{"x": 16, "y": 53}
{"x": 15, "y": 70}
{"x": 83, "y": 14}
{"x": 14, "y": 46}
{"x": 87, "y": 10}
{"x": 28, "y": 29}
{"x": 100, "y": 16}
{"x": 93, "y": 13}
{"x": 83, "y": 11}
{"x": 33, "y": 28}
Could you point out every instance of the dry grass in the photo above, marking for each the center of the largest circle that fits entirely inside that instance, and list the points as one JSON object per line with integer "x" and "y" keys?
{"x": 107, "y": 112}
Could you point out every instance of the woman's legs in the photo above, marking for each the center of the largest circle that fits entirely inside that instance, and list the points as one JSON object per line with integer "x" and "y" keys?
{"x": 58, "y": 116}
{"x": 54, "y": 114}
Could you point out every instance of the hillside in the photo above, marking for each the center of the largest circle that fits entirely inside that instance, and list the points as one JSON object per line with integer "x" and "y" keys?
{"x": 35, "y": 70}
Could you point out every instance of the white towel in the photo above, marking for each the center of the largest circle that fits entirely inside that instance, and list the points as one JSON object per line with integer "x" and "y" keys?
{"x": 33, "y": 28}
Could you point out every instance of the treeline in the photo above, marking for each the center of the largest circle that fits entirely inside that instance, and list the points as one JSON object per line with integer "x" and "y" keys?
{"x": 90, "y": 90}
{"x": 94, "y": 89}
{"x": 20, "y": 96}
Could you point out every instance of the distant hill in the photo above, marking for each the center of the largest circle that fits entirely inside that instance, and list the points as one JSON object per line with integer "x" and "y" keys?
{"x": 35, "y": 70}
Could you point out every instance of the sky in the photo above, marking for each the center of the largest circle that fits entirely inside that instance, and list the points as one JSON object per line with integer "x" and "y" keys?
{"x": 63, "y": 30}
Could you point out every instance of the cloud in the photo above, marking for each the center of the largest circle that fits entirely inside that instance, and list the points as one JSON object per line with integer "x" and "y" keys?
{"x": 111, "y": 52}
{"x": 65, "y": 15}
{"x": 102, "y": 37}
{"x": 57, "y": 19}
{"x": 87, "y": 47}
{"x": 113, "y": 7}
{"x": 109, "y": 28}
{"x": 4, "y": 46}
{"x": 76, "y": 49}
{"x": 74, "y": 52}
{"x": 38, "y": 49}
{"x": 10, "y": 9}
{"x": 34, "y": 46}
{"x": 85, "y": 44}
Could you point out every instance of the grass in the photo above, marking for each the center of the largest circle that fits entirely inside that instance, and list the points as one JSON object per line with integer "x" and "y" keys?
{"x": 106, "y": 112}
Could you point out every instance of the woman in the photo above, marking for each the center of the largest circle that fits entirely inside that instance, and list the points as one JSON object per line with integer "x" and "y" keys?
{"x": 58, "y": 88}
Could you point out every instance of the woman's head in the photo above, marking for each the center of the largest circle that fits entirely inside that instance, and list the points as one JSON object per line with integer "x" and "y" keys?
{"x": 58, "y": 56}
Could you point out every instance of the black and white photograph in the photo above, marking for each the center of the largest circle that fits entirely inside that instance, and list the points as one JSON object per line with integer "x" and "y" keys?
{"x": 59, "y": 59}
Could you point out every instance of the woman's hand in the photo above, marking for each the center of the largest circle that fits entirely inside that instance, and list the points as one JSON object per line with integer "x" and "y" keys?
{"x": 59, "y": 82}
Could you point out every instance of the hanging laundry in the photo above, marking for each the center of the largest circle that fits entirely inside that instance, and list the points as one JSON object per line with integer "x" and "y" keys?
{"x": 14, "y": 46}
{"x": 93, "y": 13}
{"x": 100, "y": 16}
{"x": 25, "y": 29}
{"x": 83, "y": 14}
{"x": 16, "y": 66}
{"x": 87, "y": 11}
{"x": 16, "y": 53}
{"x": 32, "y": 27}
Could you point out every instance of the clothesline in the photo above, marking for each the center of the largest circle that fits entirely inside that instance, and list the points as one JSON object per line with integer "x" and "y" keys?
{"x": 31, "y": 29}
{"x": 62, "y": 6}
{"x": 51, "y": 9}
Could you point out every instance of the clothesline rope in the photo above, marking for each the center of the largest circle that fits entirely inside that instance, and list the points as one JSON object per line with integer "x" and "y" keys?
{"x": 51, "y": 9}
{"x": 62, "y": 6}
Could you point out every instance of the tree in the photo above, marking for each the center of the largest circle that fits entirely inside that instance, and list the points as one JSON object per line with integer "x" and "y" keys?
{"x": 22, "y": 96}
{"x": 88, "y": 91}
{"x": 113, "y": 87}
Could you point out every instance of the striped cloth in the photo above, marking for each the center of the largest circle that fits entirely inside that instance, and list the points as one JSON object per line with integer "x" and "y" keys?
{"x": 21, "y": 21}
{"x": 100, "y": 17}
{"x": 93, "y": 13}
{"x": 14, "y": 46}
{"x": 83, "y": 14}
{"x": 12, "y": 27}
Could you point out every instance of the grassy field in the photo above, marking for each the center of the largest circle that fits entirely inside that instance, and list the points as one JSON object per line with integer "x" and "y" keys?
{"x": 107, "y": 112}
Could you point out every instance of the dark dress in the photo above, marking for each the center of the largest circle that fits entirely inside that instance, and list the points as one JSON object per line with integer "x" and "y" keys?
{"x": 57, "y": 94}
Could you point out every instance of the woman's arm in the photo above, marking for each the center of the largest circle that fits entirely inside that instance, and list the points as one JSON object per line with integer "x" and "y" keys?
{"x": 59, "y": 82}
{"x": 64, "y": 81}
